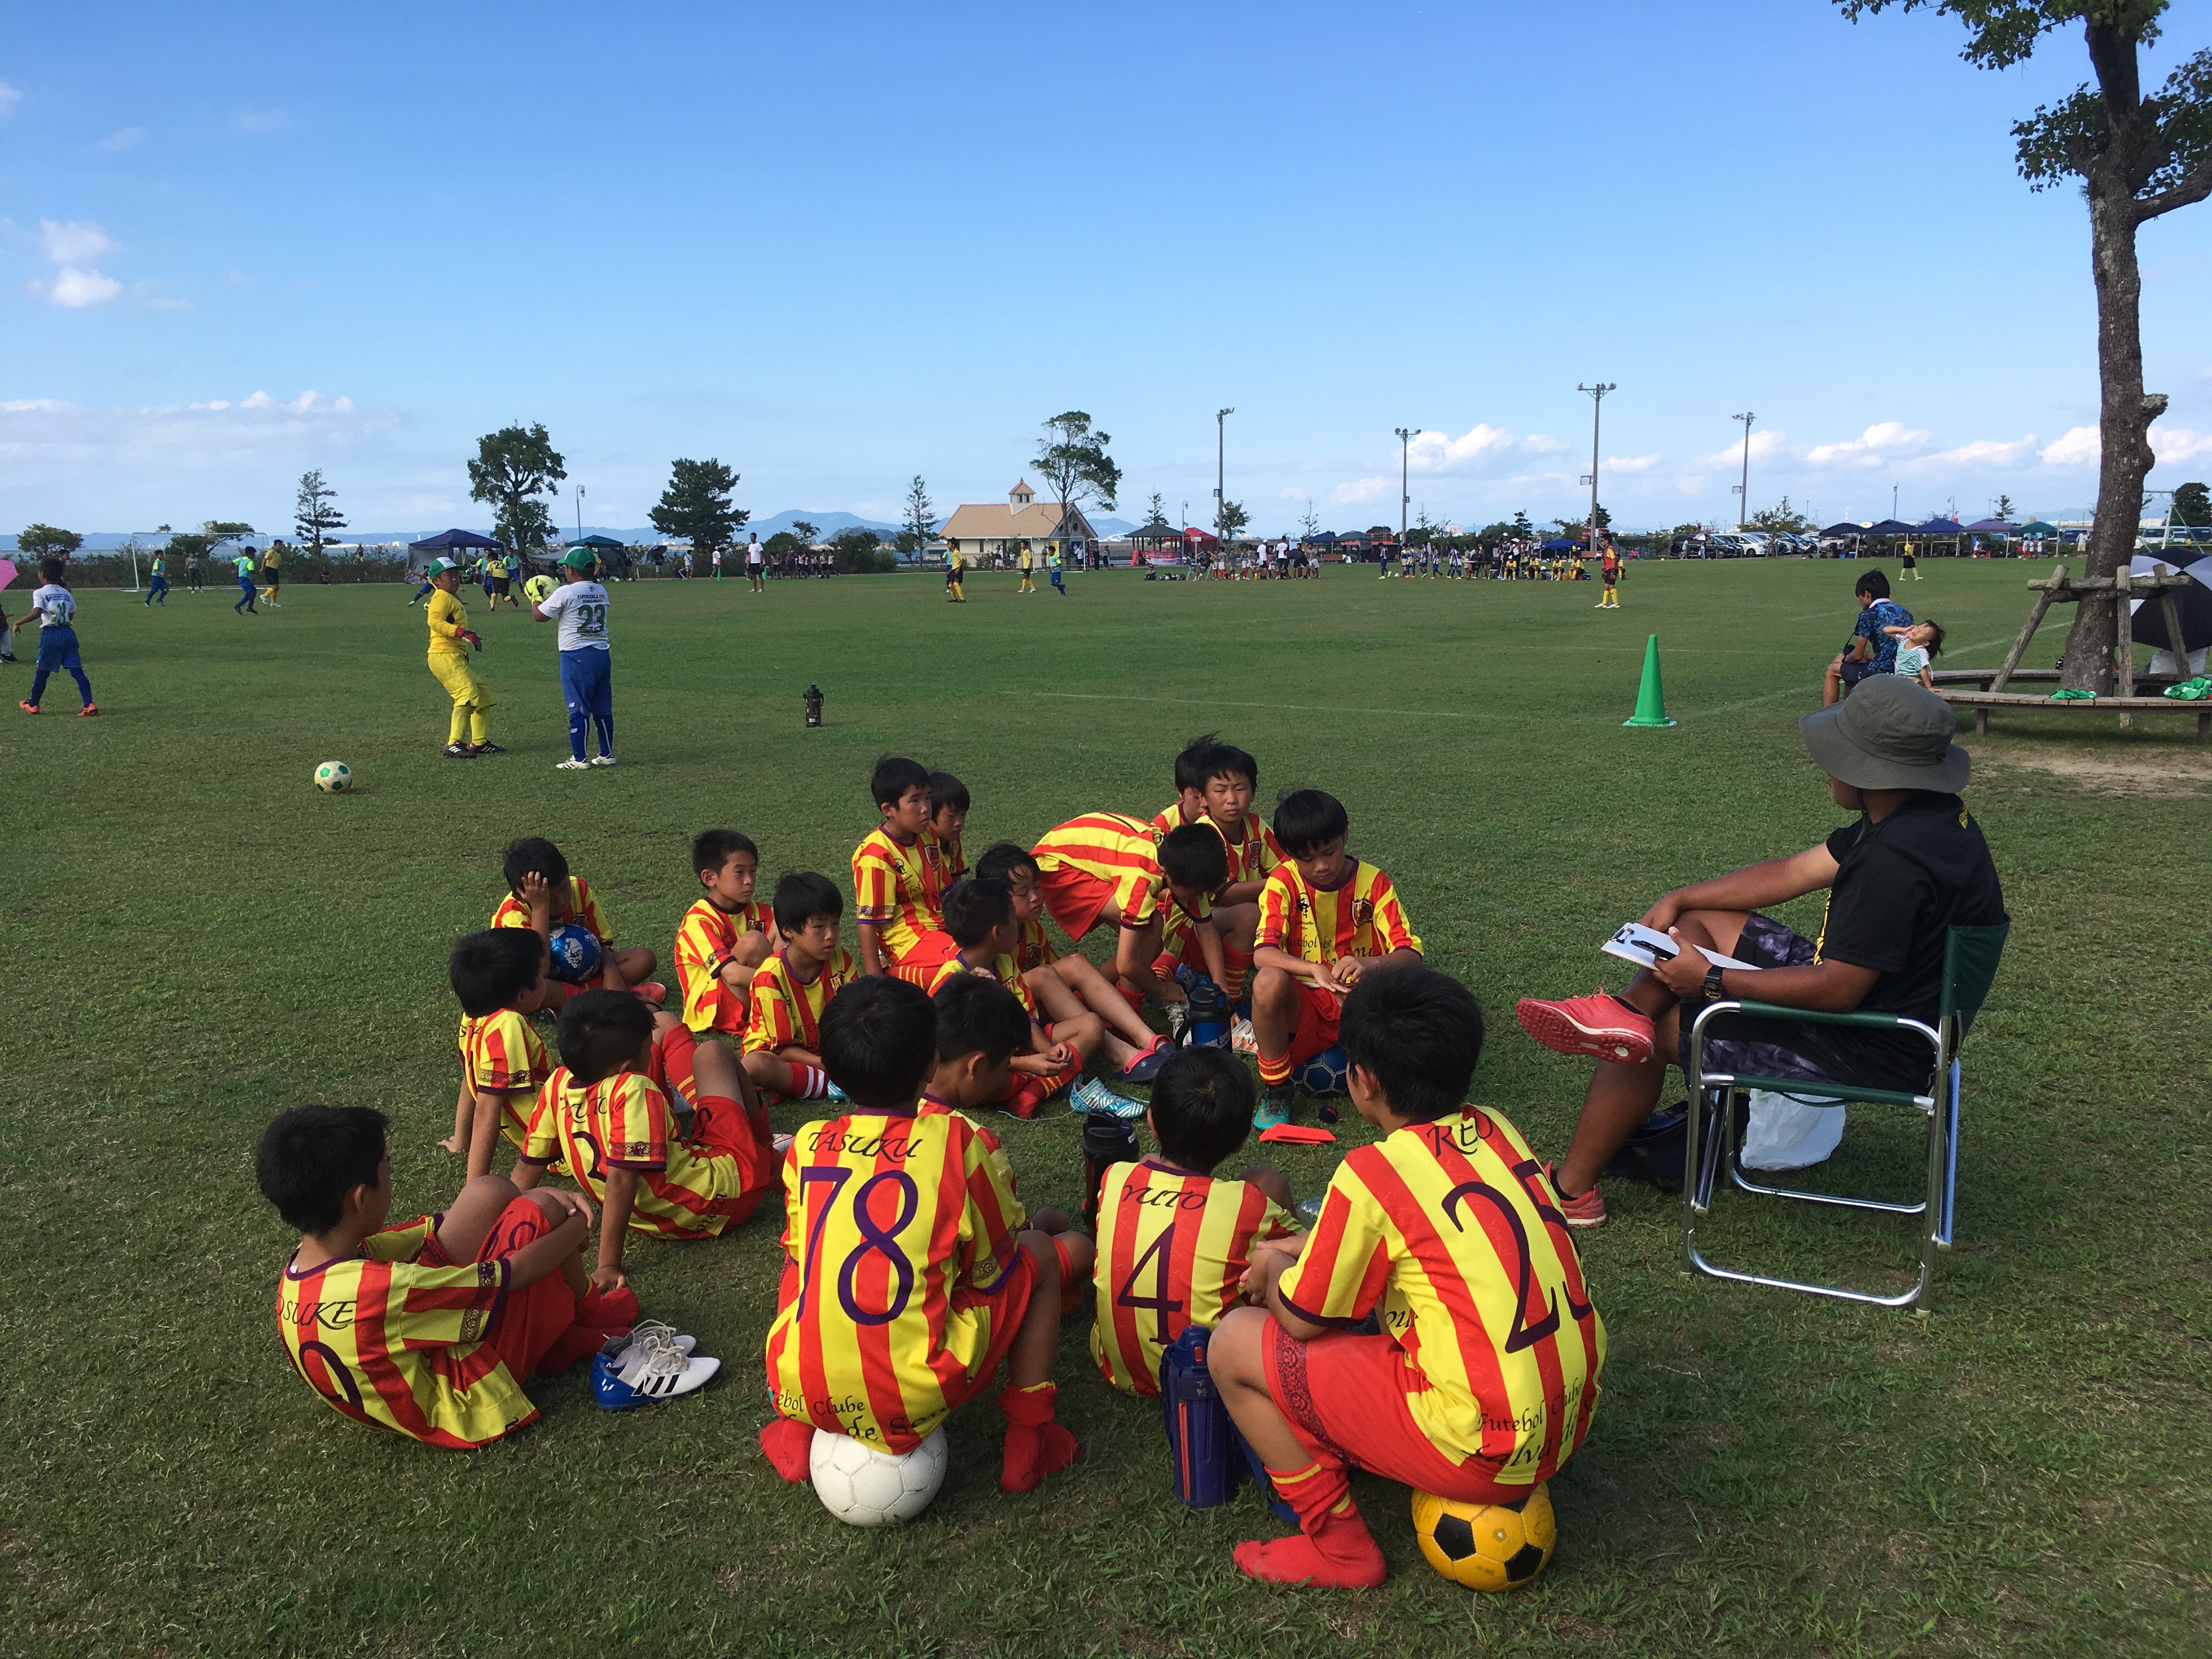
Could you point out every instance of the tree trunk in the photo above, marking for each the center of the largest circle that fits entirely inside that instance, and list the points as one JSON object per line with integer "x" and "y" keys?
{"x": 2124, "y": 429}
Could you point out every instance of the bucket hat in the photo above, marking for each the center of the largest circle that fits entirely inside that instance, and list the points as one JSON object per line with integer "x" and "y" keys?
{"x": 1890, "y": 733}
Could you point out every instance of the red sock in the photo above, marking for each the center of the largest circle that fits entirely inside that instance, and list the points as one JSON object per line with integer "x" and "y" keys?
{"x": 1135, "y": 999}
{"x": 579, "y": 1341}
{"x": 1035, "y": 1445}
{"x": 789, "y": 1445}
{"x": 806, "y": 1082}
{"x": 1074, "y": 1288}
{"x": 1277, "y": 1070}
{"x": 1333, "y": 1548}
{"x": 1238, "y": 963}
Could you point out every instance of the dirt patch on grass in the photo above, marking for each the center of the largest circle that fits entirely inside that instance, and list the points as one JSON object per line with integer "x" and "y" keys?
{"x": 2102, "y": 770}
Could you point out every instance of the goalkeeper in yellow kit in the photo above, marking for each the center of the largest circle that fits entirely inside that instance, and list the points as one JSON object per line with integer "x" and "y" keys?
{"x": 450, "y": 640}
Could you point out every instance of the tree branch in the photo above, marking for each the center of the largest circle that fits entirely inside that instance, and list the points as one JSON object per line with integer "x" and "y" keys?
{"x": 2194, "y": 187}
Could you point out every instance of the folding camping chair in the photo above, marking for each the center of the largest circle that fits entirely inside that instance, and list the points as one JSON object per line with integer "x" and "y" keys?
{"x": 1971, "y": 956}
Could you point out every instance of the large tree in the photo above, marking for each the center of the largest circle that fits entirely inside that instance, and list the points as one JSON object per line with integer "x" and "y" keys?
{"x": 696, "y": 506}
{"x": 317, "y": 514}
{"x": 46, "y": 541}
{"x": 920, "y": 519}
{"x": 1784, "y": 518}
{"x": 513, "y": 467}
{"x": 1072, "y": 458}
{"x": 1229, "y": 519}
{"x": 2192, "y": 505}
{"x": 2137, "y": 156}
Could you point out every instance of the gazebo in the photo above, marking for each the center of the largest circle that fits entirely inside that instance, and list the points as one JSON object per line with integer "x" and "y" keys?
{"x": 1151, "y": 539}
{"x": 450, "y": 541}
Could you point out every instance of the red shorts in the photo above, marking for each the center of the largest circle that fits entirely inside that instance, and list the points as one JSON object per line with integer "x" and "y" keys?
{"x": 924, "y": 958}
{"x": 1344, "y": 1396}
{"x": 1319, "y": 1012}
{"x": 529, "y": 1321}
{"x": 1075, "y": 899}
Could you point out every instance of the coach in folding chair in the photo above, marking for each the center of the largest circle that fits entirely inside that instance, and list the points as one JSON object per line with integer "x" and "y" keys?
{"x": 1905, "y": 951}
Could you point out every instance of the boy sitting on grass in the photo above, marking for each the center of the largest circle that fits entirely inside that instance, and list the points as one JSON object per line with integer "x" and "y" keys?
{"x": 605, "y": 1116}
{"x": 948, "y": 818}
{"x": 1484, "y": 1377}
{"x": 790, "y": 989}
{"x": 432, "y": 1326}
{"x": 910, "y": 1274}
{"x": 1066, "y": 986}
{"x": 541, "y": 896}
{"x": 1105, "y": 868}
{"x": 499, "y": 978}
{"x": 724, "y": 936}
{"x": 1174, "y": 1243}
{"x": 895, "y": 881}
{"x": 1326, "y": 920}
{"x": 1215, "y": 782}
{"x": 979, "y": 914}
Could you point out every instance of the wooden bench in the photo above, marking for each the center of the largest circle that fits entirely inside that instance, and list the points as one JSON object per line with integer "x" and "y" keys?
{"x": 2127, "y": 708}
{"x": 2147, "y": 684}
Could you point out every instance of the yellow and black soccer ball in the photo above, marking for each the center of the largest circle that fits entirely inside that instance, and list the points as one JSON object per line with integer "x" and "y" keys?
{"x": 1487, "y": 1546}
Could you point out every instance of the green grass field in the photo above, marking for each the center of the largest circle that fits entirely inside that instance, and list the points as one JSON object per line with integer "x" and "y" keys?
{"x": 197, "y": 939}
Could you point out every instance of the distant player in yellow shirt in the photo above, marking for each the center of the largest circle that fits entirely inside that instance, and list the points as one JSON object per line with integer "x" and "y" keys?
{"x": 450, "y": 642}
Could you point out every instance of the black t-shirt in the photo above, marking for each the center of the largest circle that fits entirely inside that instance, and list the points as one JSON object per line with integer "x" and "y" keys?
{"x": 1900, "y": 885}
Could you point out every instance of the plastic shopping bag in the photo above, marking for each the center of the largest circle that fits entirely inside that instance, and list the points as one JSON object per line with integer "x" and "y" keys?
{"x": 1790, "y": 1131}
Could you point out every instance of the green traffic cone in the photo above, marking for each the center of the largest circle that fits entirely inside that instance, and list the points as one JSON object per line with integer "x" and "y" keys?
{"x": 1650, "y": 701}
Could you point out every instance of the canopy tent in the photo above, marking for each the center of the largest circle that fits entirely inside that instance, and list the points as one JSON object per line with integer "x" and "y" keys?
{"x": 2037, "y": 527}
{"x": 597, "y": 543}
{"x": 450, "y": 538}
{"x": 1846, "y": 528}
{"x": 1938, "y": 527}
{"x": 2194, "y": 602}
{"x": 1194, "y": 536}
{"x": 1560, "y": 544}
{"x": 1891, "y": 527}
{"x": 1320, "y": 538}
{"x": 1992, "y": 527}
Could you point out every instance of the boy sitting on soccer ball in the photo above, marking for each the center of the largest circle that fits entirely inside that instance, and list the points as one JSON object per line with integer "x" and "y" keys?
{"x": 910, "y": 1274}
{"x": 1174, "y": 1243}
{"x": 723, "y": 937}
{"x": 1326, "y": 921}
{"x": 606, "y": 1114}
{"x": 430, "y": 1327}
{"x": 1483, "y": 1379}
{"x": 499, "y": 976}
{"x": 541, "y": 895}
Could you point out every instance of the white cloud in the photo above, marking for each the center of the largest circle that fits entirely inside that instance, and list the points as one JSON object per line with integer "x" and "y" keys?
{"x": 1985, "y": 453}
{"x": 9, "y": 97}
{"x": 1483, "y": 449}
{"x": 50, "y": 434}
{"x": 1883, "y": 442}
{"x": 124, "y": 138}
{"x": 74, "y": 290}
{"x": 2175, "y": 444}
{"x": 236, "y": 279}
{"x": 1630, "y": 463}
{"x": 2077, "y": 448}
{"x": 75, "y": 242}
{"x": 262, "y": 120}
{"x": 1364, "y": 490}
{"x": 1292, "y": 493}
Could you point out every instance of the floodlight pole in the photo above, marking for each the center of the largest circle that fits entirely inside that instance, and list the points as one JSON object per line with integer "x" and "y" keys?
{"x": 1597, "y": 404}
{"x": 1220, "y": 473}
{"x": 579, "y": 513}
{"x": 1405, "y": 447}
{"x": 1743, "y": 490}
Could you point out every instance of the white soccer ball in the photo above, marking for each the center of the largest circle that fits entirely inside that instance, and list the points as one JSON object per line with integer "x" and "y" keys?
{"x": 864, "y": 1487}
{"x": 334, "y": 777}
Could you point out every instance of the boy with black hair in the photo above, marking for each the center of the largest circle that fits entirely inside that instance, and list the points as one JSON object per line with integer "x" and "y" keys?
{"x": 1105, "y": 868}
{"x": 1483, "y": 1380}
{"x": 896, "y": 888}
{"x": 430, "y": 1327}
{"x": 606, "y": 1114}
{"x": 1873, "y": 649}
{"x": 1066, "y": 986}
{"x": 1174, "y": 1243}
{"x": 541, "y": 896}
{"x": 910, "y": 1274}
{"x": 499, "y": 978}
{"x": 1326, "y": 921}
{"x": 55, "y": 608}
{"x": 1215, "y": 782}
{"x": 979, "y": 914}
{"x": 948, "y": 817}
{"x": 723, "y": 937}
{"x": 793, "y": 987}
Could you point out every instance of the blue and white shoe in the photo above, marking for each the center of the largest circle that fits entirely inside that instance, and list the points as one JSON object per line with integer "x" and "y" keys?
{"x": 652, "y": 1363}
{"x": 831, "y": 1091}
{"x": 1275, "y": 1106}
{"x": 1092, "y": 1098}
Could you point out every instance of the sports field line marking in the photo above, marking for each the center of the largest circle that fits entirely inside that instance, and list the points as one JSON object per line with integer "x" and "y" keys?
{"x": 1215, "y": 702}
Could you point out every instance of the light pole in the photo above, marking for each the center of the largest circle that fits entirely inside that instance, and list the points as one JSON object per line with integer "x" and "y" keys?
{"x": 1597, "y": 404}
{"x": 1405, "y": 447}
{"x": 579, "y": 513}
{"x": 1743, "y": 490}
{"x": 1221, "y": 450}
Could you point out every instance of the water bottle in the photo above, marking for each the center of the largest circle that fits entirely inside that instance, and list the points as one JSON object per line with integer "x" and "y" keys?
{"x": 1209, "y": 1016}
{"x": 1106, "y": 1141}
{"x": 1206, "y": 1453}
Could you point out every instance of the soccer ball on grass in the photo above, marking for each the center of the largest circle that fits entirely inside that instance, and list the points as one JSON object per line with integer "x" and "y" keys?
{"x": 1487, "y": 1546}
{"x": 334, "y": 777}
{"x": 864, "y": 1487}
{"x": 1326, "y": 1073}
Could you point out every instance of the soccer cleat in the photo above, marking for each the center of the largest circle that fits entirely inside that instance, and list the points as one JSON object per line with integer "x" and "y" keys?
{"x": 652, "y": 991}
{"x": 571, "y": 764}
{"x": 1091, "y": 1099}
{"x": 605, "y": 760}
{"x": 831, "y": 1091}
{"x": 1275, "y": 1106}
{"x": 486, "y": 749}
{"x": 1146, "y": 1067}
{"x": 1596, "y": 1024}
{"x": 89, "y": 709}
{"x": 1242, "y": 1038}
{"x": 647, "y": 1366}
{"x": 457, "y": 751}
{"x": 659, "y": 1330}
{"x": 1586, "y": 1211}
{"x": 1178, "y": 1014}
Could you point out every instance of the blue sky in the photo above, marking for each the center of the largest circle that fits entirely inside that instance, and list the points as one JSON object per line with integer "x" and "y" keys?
{"x": 837, "y": 245}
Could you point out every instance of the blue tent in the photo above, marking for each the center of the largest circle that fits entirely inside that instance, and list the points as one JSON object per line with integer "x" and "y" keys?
{"x": 450, "y": 538}
{"x": 1560, "y": 544}
{"x": 1892, "y": 528}
{"x": 1937, "y": 528}
{"x": 1322, "y": 539}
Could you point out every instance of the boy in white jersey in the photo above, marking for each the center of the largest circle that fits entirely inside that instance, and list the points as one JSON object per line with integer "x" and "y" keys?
{"x": 579, "y": 606}
{"x": 55, "y": 609}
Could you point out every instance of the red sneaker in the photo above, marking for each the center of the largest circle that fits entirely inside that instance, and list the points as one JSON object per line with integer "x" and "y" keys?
{"x": 1595, "y": 1024}
{"x": 28, "y": 708}
{"x": 1586, "y": 1211}
{"x": 89, "y": 709}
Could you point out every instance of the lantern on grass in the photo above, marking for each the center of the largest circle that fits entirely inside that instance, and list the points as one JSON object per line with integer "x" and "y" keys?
{"x": 813, "y": 699}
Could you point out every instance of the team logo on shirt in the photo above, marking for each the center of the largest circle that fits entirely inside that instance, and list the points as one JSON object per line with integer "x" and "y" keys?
{"x": 1363, "y": 912}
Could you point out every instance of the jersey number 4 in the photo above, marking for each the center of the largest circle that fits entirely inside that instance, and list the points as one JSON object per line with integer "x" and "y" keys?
{"x": 1158, "y": 1257}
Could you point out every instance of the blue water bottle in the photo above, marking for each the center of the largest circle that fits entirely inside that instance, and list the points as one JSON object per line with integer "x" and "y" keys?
{"x": 1206, "y": 1453}
{"x": 1209, "y": 1016}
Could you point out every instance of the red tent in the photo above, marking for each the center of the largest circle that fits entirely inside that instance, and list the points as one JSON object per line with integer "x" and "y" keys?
{"x": 1196, "y": 540}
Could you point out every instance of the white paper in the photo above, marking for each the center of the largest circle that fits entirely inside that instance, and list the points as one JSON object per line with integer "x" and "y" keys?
{"x": 1645, "y": 945}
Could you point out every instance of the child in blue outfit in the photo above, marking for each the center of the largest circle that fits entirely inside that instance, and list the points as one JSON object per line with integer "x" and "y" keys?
{"x": 55, "y": 607}
{"x": 247, "y": 591}
{"x": 157, "y": 586}
{"x": 579, "y": 606}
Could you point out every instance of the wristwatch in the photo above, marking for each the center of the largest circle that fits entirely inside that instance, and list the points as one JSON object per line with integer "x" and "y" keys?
{"x": 1713, "y": 991}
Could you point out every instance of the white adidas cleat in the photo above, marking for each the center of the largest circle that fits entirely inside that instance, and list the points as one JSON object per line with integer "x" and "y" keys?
{"x": 605, "y": 760}
{"x": 571, "y": 764}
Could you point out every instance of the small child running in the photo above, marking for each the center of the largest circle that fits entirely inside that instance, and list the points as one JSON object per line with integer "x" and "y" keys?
{"x": 55, "y": 608}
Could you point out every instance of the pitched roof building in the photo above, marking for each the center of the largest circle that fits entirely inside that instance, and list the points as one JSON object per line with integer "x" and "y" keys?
{"x": 980, "y": 529}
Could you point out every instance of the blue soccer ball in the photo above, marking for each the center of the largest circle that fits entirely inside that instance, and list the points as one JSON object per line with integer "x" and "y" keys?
{"x": 1326, "y": 1073}
{"x": 576, "y": 952}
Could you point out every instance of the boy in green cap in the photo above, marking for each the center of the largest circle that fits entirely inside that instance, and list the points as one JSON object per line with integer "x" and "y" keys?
{"x": 579, "y": 606}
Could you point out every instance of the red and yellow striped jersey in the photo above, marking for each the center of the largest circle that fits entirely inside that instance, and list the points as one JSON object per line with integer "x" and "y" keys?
{"x": 502, "y": 1050}
{"x": 951, "y": 860}
{"x": 1123, "y": 852}
{"x": 390, "y": 1342}
{"x": 623, "y": 1122}
{"x": 897, "y": 889}
{"x": 1004, "y": 969}
{"x": 1035, "y": 951}
{"x": 897, "y": 1225}
{"x": 1251, "y": 856}
{"x": 786, "y": 1010}
{"x": 1359, "y": 917}
{"x": 704, "y": 939}
{"x": 513, "y": 913}
{"x": 1172, "y": 1247}
{"x": 1453, "y": 1230}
